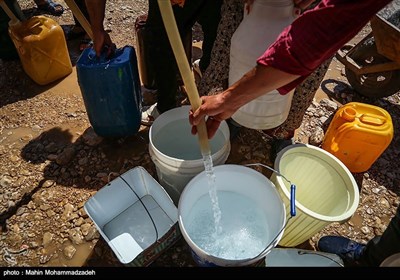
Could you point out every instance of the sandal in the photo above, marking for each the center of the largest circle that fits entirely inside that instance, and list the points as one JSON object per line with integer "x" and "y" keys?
{"x": 196, "y": 68}
{"x": 149, "y": 114}
{"x": 51, "y": 8}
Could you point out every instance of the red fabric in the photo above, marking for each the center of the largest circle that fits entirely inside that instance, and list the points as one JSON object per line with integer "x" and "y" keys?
{"x": 316, "y": 35}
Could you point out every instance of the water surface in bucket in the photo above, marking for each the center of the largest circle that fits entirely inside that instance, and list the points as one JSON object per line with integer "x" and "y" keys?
{"x": 323, "y": 190}
{"x": 175, "y": 140}
{"x": 244, "y": 227}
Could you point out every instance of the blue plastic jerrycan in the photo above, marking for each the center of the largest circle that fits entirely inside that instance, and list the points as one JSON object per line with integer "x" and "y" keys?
{"x": 111, "y": 91}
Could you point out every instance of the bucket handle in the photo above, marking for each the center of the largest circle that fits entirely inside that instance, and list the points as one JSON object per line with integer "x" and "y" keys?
{"x": 292, "y": 207}
{"x": 292, "y": 187}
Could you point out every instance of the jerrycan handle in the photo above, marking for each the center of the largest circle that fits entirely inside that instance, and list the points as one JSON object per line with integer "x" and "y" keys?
{"x": 103, "y": 55}
{"x": 34, "y": 23}
{"x": 372, "y": 119}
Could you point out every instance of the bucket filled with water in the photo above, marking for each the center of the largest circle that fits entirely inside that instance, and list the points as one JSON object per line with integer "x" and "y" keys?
{"x": 238, "y": 223}
{"x": 176, "y": 153}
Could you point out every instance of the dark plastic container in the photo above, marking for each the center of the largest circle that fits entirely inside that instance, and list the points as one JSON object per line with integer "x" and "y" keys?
{"x": 111, "y": 91}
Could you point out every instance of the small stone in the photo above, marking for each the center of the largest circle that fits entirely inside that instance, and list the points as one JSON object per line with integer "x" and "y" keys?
{"x": 69, "y": 251}
{"x": 47, "y": 238}
{"x": 48, "y": 183}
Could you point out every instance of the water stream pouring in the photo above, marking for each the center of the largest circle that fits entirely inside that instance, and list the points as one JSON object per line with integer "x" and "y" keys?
{"x": 194, "y": 98}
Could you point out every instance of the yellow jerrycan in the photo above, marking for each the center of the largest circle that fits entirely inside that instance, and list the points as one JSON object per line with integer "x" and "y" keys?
{"x": 358, "y": 134}
{"x": 41, "y": 47}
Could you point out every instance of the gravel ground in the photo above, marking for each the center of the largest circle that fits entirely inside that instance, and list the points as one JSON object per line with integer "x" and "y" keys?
{"x": 51, "y": 162}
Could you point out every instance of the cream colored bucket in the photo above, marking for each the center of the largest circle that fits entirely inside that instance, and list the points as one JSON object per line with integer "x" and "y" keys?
{"x": 326, "y": 191}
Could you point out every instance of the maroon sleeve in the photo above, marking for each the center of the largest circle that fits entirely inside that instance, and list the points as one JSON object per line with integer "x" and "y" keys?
{"x": 316, "y": 35}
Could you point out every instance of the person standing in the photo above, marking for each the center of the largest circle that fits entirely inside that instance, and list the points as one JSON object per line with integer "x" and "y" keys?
{"x": 301, "y": 48}
{"x": 187, "y": 13}
{"x": 215, "y": 78}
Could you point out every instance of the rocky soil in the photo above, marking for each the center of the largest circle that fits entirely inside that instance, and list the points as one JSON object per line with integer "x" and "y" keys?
{"x": 51, "y": 161}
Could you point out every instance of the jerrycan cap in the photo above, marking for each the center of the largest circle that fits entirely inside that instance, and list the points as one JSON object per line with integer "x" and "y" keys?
{"x": 349, "y": 114}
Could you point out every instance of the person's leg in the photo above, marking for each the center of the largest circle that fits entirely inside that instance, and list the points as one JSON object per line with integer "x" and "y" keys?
{"x": 381, "y": 247}
{"x": 302, "y": 99}
{"x": 373, "y": 253}
{"x": 209, "y": 18}
{"x": 215, "y": 77}
{"x": 216, "y": 74}
{"x": 162, "y": 60}
{"x": 85, "y": 42}
{"x": 82, "y": 6}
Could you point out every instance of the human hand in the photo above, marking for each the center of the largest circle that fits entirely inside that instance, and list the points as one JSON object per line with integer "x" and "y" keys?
{"x": 101, "y": 42}
{"x": 180, "y": 3}
{"x": 301, "y": 5}
{"x": 216, "y": 111}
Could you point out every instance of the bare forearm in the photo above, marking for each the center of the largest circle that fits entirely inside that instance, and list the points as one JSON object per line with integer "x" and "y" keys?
{"x": 96, "y": 10}
{"x": 256, "y": 82}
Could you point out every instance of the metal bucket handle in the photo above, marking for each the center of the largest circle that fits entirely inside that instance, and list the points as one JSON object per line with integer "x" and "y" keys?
{"x": 292, "y": 206}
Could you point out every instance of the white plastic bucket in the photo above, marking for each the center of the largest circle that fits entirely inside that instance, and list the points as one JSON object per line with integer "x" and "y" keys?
{"x": 293, "y": 257}
{"x": 176, "y": 152}
{"x": 259, "y": 29}
{"x": 250, "y": 205}
{"x": 326, "y": 191}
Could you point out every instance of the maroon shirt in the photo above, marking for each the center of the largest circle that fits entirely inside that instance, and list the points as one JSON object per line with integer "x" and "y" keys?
{"x": 316, "y": 35}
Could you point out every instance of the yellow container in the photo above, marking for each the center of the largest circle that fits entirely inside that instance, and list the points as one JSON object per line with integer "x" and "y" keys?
{"x": 326, "y": 191}
{"x": 42, "y": 48}
{"x": 358, "y": 134}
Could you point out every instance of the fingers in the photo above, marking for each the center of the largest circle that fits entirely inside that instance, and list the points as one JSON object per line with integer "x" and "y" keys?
{"x": 197, "y": 116}
{"x": 303, "y": 4}
{"x": 248, "y": 4}
{"x": 103, "y": 43}
{"x": 97, "y": 47}
{"x": 194, "y": 130}
{"x": 212, "y": 126}
{"x": 110, "y": 50}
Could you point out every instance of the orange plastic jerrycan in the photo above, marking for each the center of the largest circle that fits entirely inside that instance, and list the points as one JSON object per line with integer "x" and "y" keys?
{"x": 358, "y": 134}
{"x": 41, "y": 46}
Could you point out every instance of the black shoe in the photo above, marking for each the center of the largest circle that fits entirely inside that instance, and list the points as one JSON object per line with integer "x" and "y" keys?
{"x": 234, "y": 128}
{"x": 278, "y": 145}
{"x": 348, "y": 250}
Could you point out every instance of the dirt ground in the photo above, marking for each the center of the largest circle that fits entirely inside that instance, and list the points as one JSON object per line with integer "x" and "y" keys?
{"x": 51, "y": 162}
